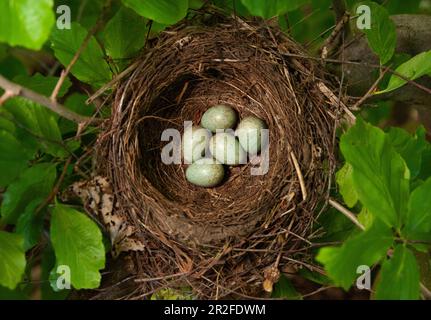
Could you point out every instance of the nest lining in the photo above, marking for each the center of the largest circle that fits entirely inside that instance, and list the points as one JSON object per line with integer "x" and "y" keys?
{"x": 220, "y": 240}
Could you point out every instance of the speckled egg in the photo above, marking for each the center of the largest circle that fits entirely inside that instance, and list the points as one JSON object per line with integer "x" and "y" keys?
{"x": 205, "y": 172}
{"x": 195, "y": 143}
{"x": 219, "y": 117}
{"x": 249, "y": 133}
{"x": 226, "y": 149}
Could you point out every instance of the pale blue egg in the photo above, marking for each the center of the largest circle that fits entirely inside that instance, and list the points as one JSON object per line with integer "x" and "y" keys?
{"x": 226, "y": 149}
{"x": 206, "y": 172}
{"x": 219, "y": 117}
{"x": 195, "y": 143}
{"x": 250, "y": 133}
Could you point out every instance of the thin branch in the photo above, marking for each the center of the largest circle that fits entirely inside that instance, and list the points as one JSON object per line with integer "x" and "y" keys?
{"x": 335, "y": 101}
{"x": 340, "y": 8}
{"x": 54, "y": 106}
{"x": 350, "y": 215}
{"x": 335, "y": 34}
{"x": 111, "y": 83}
{"x": 371, "y": 90}
{"x": 6, "y": 96}
{"x": 91, "y": 32}
{"x": 363, "y": 64}
{"x": 56, "y": 188}
{"x": 300, "y": 176}
{"x": 425, "y": 292}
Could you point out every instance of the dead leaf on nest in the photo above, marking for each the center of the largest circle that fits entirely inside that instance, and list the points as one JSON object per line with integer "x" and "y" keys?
{"x": 99, "y": 201}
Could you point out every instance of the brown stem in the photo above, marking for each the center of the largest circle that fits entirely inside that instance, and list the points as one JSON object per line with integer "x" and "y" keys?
{"x": 17, "y": 90}
{"x": 56, "y": 188}
{"x": 84, "y": 45}
{"x": 340, "y": 9}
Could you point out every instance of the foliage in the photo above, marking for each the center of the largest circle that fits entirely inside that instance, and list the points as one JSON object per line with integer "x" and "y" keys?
{"x": 412, "y": 69}
{"x": 77, "y": 242}
{"x": 385, "y": 179}
{"x": 381, "y": 180}
{"x": 31, "y": 22}
{"x": 381, "y": 36}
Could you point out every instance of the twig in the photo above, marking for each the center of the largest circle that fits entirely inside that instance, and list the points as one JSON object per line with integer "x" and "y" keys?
{"x": 56, "y": 188}
{"x": 335, "y": 101}
{"x": 334, "y": 35}
{"x": 111, "y": 83}
{"x": 350, "y": 215}
{"x": 339, "y": 7}
{"x": 425, "y": 292}
{"x": 371, "y": 90}
{"x": 300, "y": 176}
{"x": 54, "y": 106}
{"x": 83, "y": 46}
{"x": 362, "y": 64}
{"x": 6, "y": 96}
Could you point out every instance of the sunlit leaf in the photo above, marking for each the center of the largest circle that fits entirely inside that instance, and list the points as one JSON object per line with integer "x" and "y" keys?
{"x": 381, "y": 36}
{"x": 26, "y": 23}
{"x": 12, "y": 259}
{"x": 163, "y": 11}
{"x": 367, "y": 248}
{"x": 399, "y": 276}
{"x": 412, "y": 69}
{"x": 78, "y": 244}
{"x": 91, "y": 66}
{"x": 380, "y": 175}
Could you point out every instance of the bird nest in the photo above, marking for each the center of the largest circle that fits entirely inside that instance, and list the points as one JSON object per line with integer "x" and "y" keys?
{"x": 234, "y": 239}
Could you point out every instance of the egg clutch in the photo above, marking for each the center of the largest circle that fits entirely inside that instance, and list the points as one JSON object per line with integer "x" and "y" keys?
{"x": 220, "y": 140}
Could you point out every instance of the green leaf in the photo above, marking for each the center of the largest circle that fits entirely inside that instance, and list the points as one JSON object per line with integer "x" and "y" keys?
{"x": 270, "y": 8}
{"x": 382, "y": 37}
{"x": 33, "y": 183}
{"x": 26, "y": 23}
{"x": 344, "y": 179}
{"x": 163, "y": 11}
{"x": 399, "y": 276}
{"x": 76, "y": 103}
{"x": 7, "y": 294}
{"x": 38, "y": 126}
{"x": 285, "y": 289}
{"x": 413, "y": 69}
{"x": 13, "y": 158}
{"x": 47, "y": 265}
{"x": 42, "y": 84}
{"x": 124, "y": 34}
{"x": 365, "y": 218}
{"x": 409, "y": 147}
{"x": 91, "y": 66}
{"x": 30, "y": 224}
{"x": 380, "y": 175}
{"x": 425, "y": 170}
{"x": 337, "y": 226}
{"x": 419, "y": 209}
{"x": 77, "y": 243}
{"x": 367, "y": 248}
{"x": 196, "y": 4}
{"x": 12, "y": 259}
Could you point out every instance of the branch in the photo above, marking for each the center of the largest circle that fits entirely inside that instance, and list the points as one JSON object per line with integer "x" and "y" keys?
{"x": 350, "y": 215}
{"x": 84, "y": 45}
{"x": 413, "y": 34}
{"x": 340, "y": 10}
{"x": 17, "y": 90}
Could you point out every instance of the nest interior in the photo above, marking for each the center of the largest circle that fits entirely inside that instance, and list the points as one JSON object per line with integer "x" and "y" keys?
{"x": 220, "y": 241}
